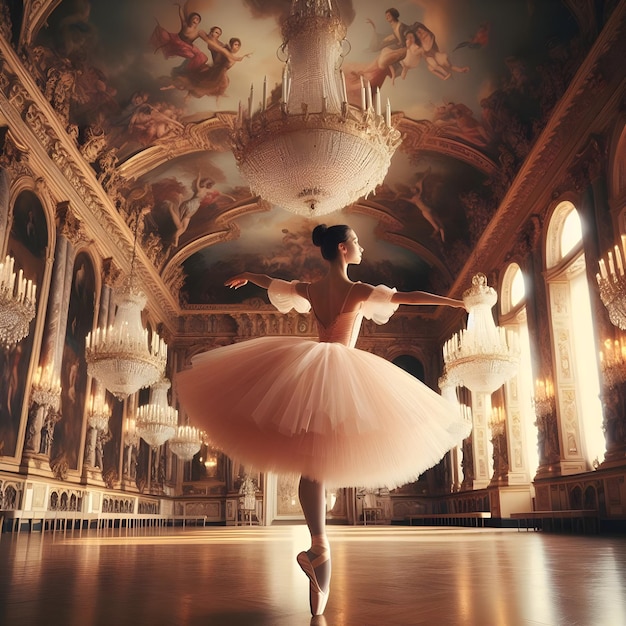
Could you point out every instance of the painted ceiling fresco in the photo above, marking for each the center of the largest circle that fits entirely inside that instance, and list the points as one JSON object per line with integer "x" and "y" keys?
{"x": 469, "y": 112}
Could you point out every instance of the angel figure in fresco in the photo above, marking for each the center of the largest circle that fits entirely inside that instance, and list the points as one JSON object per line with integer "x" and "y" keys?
{"x": 181, "y": 207}
{"x": 195, "y": 75}
{"x": 438, "y": 62}
{"x": 414, "y": 54}
{"x": 416, "y": 196}
{"x": 211, "y": 80}
{"x": 143, "y": 122}
{"x": 398, "y": 52}
{"x": 427, "y": 211}
{"x": 181, "y": 44}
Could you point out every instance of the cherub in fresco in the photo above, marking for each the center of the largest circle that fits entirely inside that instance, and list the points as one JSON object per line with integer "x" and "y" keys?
{"x": 145, "y": 123}
{"x": 438, "y": 62}
{"x": 413, "y": 56}
{"x": 195, "y": 75}
{"x": 392, "y": 49}
{"x": 211, "y": 80}
{"x": 181, "y": 207}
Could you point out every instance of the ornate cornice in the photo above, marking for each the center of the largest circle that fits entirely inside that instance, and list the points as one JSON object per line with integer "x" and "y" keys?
{"x": 53, "y": 152}
{"x": 196, "y": 137}
{"x": 594, "y": 95}
{"x": 424, "y": 136}
{"x": 35, "y": 15}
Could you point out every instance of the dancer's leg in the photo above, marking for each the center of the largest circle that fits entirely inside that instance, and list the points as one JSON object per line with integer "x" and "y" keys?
{"x": 313, "y": 501}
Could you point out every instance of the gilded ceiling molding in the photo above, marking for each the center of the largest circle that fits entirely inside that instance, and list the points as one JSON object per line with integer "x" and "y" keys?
{"x": 196, "y": 137}
{"x": 584, "y": 11}
{"x": 35, "y": 16}
{"x": 14, "y": 158}
{"x": 593, "y": 94}
{"x": 68, "y": 225}
{"x": 111, "y": 273}
{"x": 379, "y": 212}
{"x": 70, "y": 177}
{"x": 424, "y": 136}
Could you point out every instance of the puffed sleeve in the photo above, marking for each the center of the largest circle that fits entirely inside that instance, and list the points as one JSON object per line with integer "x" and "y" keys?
{"x": 284, "y": 297}
{"x": 378, "y": 307}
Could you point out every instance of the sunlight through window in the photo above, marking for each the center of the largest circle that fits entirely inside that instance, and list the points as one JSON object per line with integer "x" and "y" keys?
{"x": 572, "y": 233}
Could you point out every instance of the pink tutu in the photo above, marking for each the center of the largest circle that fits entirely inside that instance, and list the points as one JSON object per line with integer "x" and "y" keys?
{"x": 325, "y": 410}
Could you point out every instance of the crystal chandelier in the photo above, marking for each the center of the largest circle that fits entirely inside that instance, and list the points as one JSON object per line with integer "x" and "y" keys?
{"x": 314, "y": 153}
{"x": 612, "y": 284}
{"x": 157, "y": 420}
{"x": 483, "y": 356}
{"x": 99, "y": 412}
{"x": 46, "y": 388}
{"x": 185, "y": 443}
{"x": 122, "y": 357}
{"x": 17, "y": 303}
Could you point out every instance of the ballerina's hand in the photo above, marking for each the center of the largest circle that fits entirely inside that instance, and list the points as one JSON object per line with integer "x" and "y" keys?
{"x": 236, "y": 281}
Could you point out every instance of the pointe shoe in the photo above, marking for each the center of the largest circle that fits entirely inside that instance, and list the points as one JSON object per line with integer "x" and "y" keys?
{"x": 317, "y": 597}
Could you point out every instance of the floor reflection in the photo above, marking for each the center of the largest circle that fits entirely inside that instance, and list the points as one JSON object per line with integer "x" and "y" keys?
{"x": 248, "y": 576}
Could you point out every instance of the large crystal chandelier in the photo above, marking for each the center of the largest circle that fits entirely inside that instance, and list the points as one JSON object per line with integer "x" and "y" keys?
{"x": 156, "y": 421}
{"x": 17, "y": 303}
{"x": 185, "y": 443}
{"x": 122, "y": 357}
{"x": 612, "y": 284}
{"x": 483, "y": 356}
{"x": 313, "y": 153}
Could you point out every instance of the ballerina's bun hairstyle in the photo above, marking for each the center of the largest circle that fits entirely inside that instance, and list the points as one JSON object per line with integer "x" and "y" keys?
{"x": 328, "y": 238}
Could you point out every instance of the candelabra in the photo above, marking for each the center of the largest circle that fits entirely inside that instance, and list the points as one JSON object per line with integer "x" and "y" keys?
{"x": 313, "y": 153}
{"x": 613, "y": 361}
{"x": 157, "y": 420}
{"x": 497, "y": 420}
{"x": 46, "y": 388}
{"x": 543, "y": 400}
{"x": 131, "y": 438}
{"x": 99, "y": 412}
{"x": 612, "y": 284}
{"x": 483, "y": 356}
{"x": 17, "y": 303}
{"x": 186, "y": 442}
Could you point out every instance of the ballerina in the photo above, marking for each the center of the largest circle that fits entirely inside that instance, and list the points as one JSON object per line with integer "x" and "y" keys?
{"x": 324, "y": 409}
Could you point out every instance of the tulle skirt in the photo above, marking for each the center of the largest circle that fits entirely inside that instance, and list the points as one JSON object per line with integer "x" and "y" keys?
{"x": 329, "y": 412}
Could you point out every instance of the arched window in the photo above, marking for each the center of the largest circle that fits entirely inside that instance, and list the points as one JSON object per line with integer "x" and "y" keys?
{"x": 574, "y": 349}
{"x": 522, "y": 432}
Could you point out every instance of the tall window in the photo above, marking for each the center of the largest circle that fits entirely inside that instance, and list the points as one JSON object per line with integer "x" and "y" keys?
{"x": 520, "y": 415}
{"x": 575, "y": 350}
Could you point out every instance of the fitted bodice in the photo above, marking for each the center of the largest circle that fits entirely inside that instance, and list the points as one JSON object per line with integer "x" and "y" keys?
{"x": 343, "y": 329}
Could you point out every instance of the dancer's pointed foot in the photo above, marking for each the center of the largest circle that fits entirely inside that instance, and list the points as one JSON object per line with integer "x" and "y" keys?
{"x": 310, "y": 562}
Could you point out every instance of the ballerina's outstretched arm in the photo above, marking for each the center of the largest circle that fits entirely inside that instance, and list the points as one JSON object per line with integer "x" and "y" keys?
{"x": 239, "y": 280}
{"x": 423, "y": 297}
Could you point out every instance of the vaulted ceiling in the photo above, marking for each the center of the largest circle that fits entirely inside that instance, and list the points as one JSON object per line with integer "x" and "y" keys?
{"x": 158, "y": 134}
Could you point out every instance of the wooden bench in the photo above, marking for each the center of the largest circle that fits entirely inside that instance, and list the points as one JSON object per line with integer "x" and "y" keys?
{"x": 585, "y": 520}
{"x": 473, "y": 518}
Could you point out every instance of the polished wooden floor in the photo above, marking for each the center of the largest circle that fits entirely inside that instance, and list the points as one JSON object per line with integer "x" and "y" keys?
{"x": 382, "y": 576}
